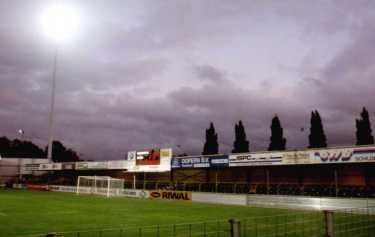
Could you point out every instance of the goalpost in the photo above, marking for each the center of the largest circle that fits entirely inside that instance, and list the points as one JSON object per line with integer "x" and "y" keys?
{"x": 101, "y": 185}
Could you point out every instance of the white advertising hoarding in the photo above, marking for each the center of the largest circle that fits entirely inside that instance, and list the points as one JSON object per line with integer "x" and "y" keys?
{"x": 255, "y": 159}
{"x": 344, "y": 155}
{"x": 50, "y": 166}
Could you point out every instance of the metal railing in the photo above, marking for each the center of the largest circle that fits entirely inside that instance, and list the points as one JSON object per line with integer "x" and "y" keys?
{"x": 217, "y": 228}
{"x": 351, "y": 222}
{"x": 354, "y": 222}
{"x": 245, "y": 188}
{"x": 298, "y": 224}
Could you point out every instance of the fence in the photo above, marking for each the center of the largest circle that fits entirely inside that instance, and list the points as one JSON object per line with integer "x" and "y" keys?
{"x": 339, "y": 223}
{"x": 354, "y": 222}
{"x": 217, "y": 228}
{"x": 274, "y": 189}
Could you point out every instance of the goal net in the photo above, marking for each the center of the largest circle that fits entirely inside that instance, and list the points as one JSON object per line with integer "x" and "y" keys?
{"x": 101, "y": 185}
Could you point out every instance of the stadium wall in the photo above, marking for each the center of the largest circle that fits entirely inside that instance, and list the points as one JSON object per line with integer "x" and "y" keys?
{"x": 267, "y": 201}
{"x": 12, "y": 169}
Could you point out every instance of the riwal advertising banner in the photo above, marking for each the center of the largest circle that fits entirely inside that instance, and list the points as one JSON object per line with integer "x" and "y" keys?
{"x": 170, "y": 195}
{"x": 256, "y": 159}
{"x": 200, "y": 161}
{"x": 344, "y": 155}
{"x": 149, "y": 161}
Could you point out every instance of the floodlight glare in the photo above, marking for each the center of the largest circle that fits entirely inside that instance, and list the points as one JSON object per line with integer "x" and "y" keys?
{"x": 60, "y": 22}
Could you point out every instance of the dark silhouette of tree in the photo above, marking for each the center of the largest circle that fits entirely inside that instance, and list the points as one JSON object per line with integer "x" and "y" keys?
{"x": 20, "y": 149}
{"x": 277, "y": 140}
{"x": 211, "y": 145}
{"x": 241, "y": 144}
{"x": 61, "y": 154}
{"x": 364, "y": 131}
{"x": 5, "y": 149}
{"x": 317, "y": 138}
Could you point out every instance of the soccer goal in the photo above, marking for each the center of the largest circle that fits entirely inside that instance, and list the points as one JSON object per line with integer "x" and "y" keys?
{"x": 101, "y": 185}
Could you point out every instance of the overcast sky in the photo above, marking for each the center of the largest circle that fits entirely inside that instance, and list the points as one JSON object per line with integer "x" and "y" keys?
{"x": 141, "y": 74}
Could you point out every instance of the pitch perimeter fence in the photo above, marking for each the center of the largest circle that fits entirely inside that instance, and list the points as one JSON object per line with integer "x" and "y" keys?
{"x": 351, "y": 222}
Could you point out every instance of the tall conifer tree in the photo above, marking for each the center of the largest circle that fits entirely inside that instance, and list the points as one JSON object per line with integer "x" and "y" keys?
{"x": 364, "y": 131}
{"x": 277, "y": 140}
{"x": 317, "y": 138}
{"x": 241, "y": 144}
{"x": 211, "y": 145}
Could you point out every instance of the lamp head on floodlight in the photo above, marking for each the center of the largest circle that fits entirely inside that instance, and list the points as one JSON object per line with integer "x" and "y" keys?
{"x": 60, "y": 23}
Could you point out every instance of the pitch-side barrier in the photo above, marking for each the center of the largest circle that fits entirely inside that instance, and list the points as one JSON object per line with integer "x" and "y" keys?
{"x": 269, "y": 201}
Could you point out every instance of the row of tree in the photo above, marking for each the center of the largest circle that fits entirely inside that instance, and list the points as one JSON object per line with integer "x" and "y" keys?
{"x": 27, "y": 149}
{"x": 317, "y": 137}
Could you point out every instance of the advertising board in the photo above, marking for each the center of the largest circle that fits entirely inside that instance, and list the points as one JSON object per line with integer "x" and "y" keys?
{"x": 135, "y": 193}
{"x": 344, "y": 155}
{"x": 200, "y": 161}
{"x": 149, "y": 161}
{"x": 170, "y": 195}
{"x": 82, "y": 165}
{"x": 255, "y": 159}
{"x": 50, "y": 166}
{"x": 68, "y": 166}
{"x": 296, "y": 157}
{"x": 97, "y": 165}
{"x": 117, "y": 164}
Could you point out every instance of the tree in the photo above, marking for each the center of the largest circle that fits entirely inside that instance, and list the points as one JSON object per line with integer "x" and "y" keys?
{"x": 5, "y": 149}
{"x": 20, "y": 149}
{"x": 317, "y": 138}
{"x": 364, "y": 131}
{"x": 277, "y": 140}
{"x": 62, "y": 154}
{"x": 211, "y": 146}
{"x": 240, "y": 143}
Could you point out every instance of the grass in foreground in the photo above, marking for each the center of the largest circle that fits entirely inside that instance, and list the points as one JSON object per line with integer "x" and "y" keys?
{"x": 27, "y": 212}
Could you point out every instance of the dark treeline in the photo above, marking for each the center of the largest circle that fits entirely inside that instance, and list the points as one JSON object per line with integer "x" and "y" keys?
{"x": 26, "y": 149}
{"x": 317, "y": 137}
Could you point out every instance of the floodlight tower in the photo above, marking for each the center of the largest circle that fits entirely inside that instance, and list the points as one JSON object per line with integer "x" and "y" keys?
{"x": 59, "y": 24}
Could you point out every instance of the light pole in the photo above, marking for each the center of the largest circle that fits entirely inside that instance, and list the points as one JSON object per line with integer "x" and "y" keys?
{"x": 52, "y": 107}
{"x": 59, "y": 23}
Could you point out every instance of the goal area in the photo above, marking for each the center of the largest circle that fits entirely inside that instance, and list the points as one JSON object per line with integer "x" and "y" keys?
{"x": 100, "y": 185}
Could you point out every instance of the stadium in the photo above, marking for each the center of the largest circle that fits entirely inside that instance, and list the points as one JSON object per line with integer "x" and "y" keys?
{"x": 104, "y": 104}
{"x": 310, "y": 192}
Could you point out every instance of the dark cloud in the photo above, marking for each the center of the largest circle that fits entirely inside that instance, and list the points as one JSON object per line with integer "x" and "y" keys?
{"x": 143, "y": 73}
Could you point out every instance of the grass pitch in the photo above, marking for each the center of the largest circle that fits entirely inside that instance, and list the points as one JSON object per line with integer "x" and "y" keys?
{"x": 27, "y": 212}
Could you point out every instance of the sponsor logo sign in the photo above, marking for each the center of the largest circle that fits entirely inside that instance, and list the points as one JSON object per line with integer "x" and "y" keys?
{"x": 345, "y": 155}
{"x": 68, "y": 166}
{"x": 256, "y": 159}
{"x": 97, "y": 165}
{"x": 200, "y": 161}
{"x": 50, "y": 166}
{"x": 296, "y": 157}
{"x": 31, "y": 167}
{"x": 135, "y": 193}
{"x": 171, "y": 195}
{"x": 82, "y": 165}
{"x": 165, "y": 153}
{"x": 364, "y": 155}
{"x": 333, "y": 155}
{"x": 117, "y": 164}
